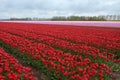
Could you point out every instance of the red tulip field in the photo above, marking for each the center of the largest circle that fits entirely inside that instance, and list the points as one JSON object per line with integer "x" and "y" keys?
{"x": 11, "y": 70}
{"x": 58, "y": 52}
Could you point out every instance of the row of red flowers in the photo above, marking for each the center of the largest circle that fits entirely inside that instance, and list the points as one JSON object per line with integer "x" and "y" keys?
{"x": 99, "y": 37}
{"x": 80, "y": 48}
{"x": 70, "y": 66}
{"x": 11, "y": 70}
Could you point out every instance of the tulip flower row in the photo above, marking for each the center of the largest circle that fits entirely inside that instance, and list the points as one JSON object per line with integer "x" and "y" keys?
{"x": 98, "y": 37}
{"x": 11, "y": 70}
{"x": 64, "y": 65}
{"x": 64, "y": 45}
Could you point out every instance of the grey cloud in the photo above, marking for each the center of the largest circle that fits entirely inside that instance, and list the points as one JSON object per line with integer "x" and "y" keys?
{"x": 49, "y": 8}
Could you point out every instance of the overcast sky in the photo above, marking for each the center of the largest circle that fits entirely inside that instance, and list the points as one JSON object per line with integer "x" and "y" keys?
{"x": 49, "y": 8}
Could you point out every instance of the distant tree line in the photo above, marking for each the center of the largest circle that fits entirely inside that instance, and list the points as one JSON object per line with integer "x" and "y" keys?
{"x": 78, "y": 18}
{"x": 29, "y": 19}
{"x": 20, "y": 19}
{"x": 73, "y": 18}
